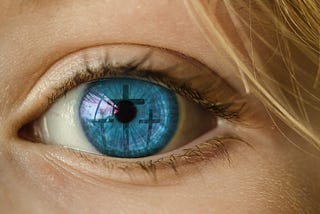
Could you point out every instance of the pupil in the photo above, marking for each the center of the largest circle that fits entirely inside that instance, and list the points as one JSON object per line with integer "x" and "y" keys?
{"x": 126, "y": 111}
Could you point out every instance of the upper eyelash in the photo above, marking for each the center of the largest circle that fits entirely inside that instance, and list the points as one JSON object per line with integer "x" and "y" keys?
{"x": 227, "y": 110}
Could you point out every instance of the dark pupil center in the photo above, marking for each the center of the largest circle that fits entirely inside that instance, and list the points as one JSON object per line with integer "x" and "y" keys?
{"x": 126, "y": 111}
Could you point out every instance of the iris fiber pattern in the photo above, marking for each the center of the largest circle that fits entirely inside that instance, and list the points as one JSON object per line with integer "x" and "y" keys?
{"x": 127, "y": 117}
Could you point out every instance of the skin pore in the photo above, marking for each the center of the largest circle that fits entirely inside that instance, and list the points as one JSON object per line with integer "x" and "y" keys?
{"x": 272, "y": 175}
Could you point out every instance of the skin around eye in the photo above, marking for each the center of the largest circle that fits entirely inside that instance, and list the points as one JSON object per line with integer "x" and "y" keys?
{"x": 207, "y": 105}
{"x": 86, "y": 119}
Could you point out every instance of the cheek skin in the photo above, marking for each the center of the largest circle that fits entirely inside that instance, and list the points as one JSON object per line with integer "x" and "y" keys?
{"x": 269, "y": 178}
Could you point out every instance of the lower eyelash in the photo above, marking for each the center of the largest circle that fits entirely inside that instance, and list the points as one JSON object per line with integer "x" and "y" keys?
{"x": 214, "y": 148}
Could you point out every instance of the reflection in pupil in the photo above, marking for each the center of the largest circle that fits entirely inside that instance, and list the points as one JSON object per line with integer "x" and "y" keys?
{"x": 126, "y": 111}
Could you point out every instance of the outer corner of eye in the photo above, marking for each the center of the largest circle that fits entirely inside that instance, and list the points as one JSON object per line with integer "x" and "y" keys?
{"x": 121, "y": 117}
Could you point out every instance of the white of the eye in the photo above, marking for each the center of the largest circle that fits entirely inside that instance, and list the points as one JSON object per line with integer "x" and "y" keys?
{"x": 61, "y": 125}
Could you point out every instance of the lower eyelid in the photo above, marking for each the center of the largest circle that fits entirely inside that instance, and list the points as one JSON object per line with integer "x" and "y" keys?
{"x": 167, "y": 169}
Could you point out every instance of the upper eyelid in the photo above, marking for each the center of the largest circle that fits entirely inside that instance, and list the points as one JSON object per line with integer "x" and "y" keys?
{"x": 63, "y": 70}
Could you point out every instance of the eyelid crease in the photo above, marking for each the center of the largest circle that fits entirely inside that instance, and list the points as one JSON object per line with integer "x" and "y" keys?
{"x": 148, "y": 172}
{"x": 93, "y": 63}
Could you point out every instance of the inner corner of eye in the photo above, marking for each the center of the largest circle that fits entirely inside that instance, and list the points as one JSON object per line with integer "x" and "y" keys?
{"x": 28, "y": 132}
{"x": 121, "y": 117}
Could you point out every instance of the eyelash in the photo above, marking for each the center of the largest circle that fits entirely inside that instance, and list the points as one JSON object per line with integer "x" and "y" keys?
{"x": 230, "y": 111}
{"x": 212, "y": 148}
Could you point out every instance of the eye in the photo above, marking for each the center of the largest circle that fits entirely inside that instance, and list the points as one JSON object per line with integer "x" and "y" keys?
{"x": 129, "y": 101}
{"x": 122, "y": 117}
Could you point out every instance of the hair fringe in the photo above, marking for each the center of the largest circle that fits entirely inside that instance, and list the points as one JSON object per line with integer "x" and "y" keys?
{"x": 296, "y": 26}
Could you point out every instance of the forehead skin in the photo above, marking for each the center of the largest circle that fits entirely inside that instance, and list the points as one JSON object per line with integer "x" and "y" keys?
{"x": 272, "y": 178}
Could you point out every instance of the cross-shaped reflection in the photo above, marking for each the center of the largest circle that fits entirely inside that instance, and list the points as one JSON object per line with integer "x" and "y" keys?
{"x": 150, "y": 121}
{"x": 125, "y": 96}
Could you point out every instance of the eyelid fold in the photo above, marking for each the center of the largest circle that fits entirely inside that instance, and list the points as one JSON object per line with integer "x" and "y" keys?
{"x": 185, "y": 75}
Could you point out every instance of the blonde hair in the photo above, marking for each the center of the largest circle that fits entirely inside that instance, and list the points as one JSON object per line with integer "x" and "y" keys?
{"x": 287, "y": 81}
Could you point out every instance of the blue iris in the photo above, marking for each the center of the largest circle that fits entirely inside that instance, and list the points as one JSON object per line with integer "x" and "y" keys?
{"x": 126, "y": 117}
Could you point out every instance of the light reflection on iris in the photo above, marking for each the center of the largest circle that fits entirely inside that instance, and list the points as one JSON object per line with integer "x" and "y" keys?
{"x": 127, "y": 117}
